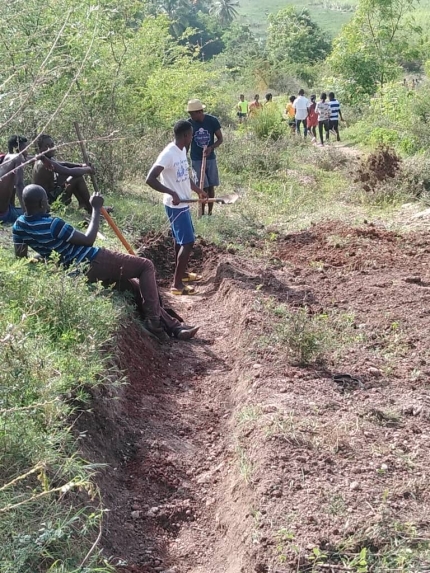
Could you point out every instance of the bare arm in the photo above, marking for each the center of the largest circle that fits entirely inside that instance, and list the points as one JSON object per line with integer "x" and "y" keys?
{"x": 219, "y": 140}
{"x": 62, "y": 169}
{"x": 19, "y": 180}
{"x": 87, "y": 239}
{"x": 153, "y": 181}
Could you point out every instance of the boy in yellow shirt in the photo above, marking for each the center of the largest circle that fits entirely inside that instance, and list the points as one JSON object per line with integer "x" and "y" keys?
{"x": 291, "y": 114}
{"x": 242, "y": 108}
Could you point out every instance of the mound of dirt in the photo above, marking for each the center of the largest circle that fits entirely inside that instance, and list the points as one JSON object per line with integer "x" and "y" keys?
{"x": 160, "y": 250}
{"x": 226, "y": 457}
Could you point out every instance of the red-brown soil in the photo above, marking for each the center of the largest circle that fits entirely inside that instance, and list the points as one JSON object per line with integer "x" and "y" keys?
{"x": 224, "y": 457}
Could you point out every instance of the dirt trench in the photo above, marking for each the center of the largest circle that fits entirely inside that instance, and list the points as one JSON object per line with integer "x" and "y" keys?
{"x": 225, "y": 457}
{"x": 175, "y": 504}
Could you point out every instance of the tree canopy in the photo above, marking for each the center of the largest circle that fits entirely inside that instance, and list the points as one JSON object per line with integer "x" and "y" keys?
{"x": 370, "y": 49}
{"x": 295, "y": 38}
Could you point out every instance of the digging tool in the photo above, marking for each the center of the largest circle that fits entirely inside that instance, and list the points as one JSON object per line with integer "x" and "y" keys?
{"x": 202, "y": 183}
{"x": 105, "y": 214}
{"x": 224, "y": 200}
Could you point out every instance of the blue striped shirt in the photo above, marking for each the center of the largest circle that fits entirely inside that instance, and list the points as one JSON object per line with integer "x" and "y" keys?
{"x": 45, "y": 234}
{"x": 335, "y": 108}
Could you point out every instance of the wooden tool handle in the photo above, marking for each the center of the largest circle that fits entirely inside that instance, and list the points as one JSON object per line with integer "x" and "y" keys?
{"x": 202, "y": 181}
{"x": 105, "y": 214}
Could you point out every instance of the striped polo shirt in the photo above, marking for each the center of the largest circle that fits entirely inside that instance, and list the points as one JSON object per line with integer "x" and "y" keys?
{"x": 335, "y": 107}
{"x": 45, "y": 234}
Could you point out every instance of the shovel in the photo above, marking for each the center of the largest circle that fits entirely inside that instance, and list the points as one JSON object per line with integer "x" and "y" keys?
{"x": 105, "y": 214}
{"x": 224, "y": 200}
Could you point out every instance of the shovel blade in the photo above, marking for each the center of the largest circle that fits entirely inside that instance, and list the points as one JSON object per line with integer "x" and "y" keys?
{"x": 227, "y": 199}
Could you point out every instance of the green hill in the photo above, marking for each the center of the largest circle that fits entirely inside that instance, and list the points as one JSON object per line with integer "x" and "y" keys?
{"x": 329, "y": 14}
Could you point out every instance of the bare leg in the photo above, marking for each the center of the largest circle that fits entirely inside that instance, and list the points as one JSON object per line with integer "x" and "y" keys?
{"x": 79, "y": 189}
{"x": 182, "y": 256}
{"x": 211, "y": 194}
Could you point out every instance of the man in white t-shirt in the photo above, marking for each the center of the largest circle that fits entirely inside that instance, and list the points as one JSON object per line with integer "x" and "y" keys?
{"x": 172, "y": 168}
{"x": 301, "y": 104}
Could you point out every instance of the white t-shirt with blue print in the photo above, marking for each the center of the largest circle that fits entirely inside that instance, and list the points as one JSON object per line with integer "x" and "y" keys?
{"x": 176, "y": 174}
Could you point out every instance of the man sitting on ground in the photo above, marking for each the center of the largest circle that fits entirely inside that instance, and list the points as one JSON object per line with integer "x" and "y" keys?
{"x": 12, "y": 179}
{"x": 55, "y": 177}
{"x": 44, "y": 234}
{"x": 173, "y": 169}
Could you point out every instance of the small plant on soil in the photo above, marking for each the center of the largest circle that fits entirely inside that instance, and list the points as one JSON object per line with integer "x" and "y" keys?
{"x": 245, "y": 464}
{"x": 307, "y": 337}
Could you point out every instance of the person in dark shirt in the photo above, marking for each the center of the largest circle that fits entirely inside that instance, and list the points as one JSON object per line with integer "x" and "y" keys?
{"x": 44, "y": 234}
{"x": 205, "y": 129}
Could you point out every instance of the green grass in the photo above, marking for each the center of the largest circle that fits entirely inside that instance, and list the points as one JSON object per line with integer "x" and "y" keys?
{"x": 331, "y": 20}
{"x": 54, "y": 337}
{"x": 330, "y": 15}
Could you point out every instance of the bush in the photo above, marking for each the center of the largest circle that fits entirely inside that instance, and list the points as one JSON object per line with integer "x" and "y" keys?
{"x": 268, "y": 124}
{"x": 244, "y": 153}
{"x": 416, "y": 176}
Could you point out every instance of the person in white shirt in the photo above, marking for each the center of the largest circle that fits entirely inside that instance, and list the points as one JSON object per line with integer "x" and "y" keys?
{"x": 171, "y": 166}
{"x": 301, "y": 105}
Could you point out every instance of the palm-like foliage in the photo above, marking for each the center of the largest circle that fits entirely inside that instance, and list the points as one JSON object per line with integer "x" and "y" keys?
{"x": 225, "y": 10}
{"x": 178, "y": 11}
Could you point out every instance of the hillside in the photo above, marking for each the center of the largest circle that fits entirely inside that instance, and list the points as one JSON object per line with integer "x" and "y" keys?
{"x": 329, "y": 14}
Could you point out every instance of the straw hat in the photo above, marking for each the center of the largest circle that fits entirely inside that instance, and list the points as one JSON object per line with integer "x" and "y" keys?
{"x": 195, "y": 105}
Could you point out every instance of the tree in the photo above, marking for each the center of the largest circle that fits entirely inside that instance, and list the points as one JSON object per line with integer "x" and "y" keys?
{"x": 225, "y": 11}
{"x": 293, "y": 37}
{"x": 370, "y": 49}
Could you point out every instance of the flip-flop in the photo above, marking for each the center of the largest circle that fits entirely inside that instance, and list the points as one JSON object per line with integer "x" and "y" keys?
{"x": 192, "y": 278}
{"x": 187, "y": 290}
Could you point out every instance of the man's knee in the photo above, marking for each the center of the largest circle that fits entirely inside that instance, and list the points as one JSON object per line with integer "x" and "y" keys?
{"x": 146, "y": 265}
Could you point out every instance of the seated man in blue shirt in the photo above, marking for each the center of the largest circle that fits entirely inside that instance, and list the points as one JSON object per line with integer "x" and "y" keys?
{"x": 44, "y": 234}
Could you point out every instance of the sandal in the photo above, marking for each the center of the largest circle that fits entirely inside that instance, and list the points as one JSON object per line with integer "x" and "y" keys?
{"x": 187, "y": 290}
{"x": 192, "y": 278}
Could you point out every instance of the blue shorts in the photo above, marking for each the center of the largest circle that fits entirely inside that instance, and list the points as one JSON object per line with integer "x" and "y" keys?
{"x": 11, "y": 215}
{"x": 181, "y": 225}
{"x": 211, "y": 177}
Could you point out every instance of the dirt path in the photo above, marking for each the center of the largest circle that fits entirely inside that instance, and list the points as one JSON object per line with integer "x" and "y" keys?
{"x": 225, "y": 457}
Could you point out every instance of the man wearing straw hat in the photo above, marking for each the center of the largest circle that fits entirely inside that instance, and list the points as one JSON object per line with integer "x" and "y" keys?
{"x": 205, "y": 129}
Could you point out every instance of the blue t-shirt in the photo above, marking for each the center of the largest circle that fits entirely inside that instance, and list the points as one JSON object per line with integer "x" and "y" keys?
{"x": 45, "y": 234}
{"x": 203, "y": 136}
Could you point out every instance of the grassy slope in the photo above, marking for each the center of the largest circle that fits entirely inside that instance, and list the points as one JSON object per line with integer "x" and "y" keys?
{"x": 330, "y": 19}
{"x": 54, "y": 332}
{"x": 253, "y": 13}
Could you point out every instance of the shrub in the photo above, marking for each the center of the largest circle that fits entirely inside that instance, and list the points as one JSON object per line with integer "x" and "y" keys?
{"x": 268, "y": 124}
{"x": 244, "y": 153}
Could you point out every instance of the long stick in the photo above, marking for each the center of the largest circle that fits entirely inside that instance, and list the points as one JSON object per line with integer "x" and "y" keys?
{"x": 105, "y": 214}
{"x": 202, "y": 182}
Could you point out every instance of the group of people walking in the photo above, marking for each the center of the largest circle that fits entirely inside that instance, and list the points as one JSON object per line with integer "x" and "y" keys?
{"x": 300, "y": 111}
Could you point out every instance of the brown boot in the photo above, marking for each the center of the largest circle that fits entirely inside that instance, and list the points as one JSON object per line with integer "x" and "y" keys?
{"x": 185, "y": 332}
{"x": 155, "y": 327}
